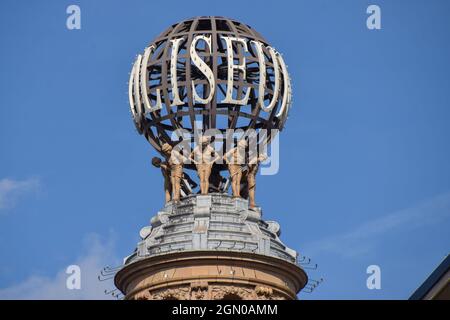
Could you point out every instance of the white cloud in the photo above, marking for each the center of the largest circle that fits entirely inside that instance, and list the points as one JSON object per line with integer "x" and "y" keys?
{"x": 364, "y": 237}
{"x": 100, "y": 253}
{"x": 11, "y": 190}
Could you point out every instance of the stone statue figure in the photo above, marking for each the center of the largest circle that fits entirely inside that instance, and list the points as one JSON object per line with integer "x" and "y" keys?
{"x": 204, "y": 157}
{"x": 235, "y": 158}
{"x": 175, "y": 161}
{"x": 165, "y": 170}
{"x": 253, "y": 166}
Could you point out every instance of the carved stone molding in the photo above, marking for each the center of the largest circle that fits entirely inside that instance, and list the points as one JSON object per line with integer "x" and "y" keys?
{"x": 267, "y": 293}
{"x": 143, "y": 295}
{"x": 199, "y": 290}
{"x": 180, "y": 293}
{"x": 219, "y": 292}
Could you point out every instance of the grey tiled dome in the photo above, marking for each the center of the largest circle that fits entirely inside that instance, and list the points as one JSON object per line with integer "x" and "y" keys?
{"x": 211, "y": 222}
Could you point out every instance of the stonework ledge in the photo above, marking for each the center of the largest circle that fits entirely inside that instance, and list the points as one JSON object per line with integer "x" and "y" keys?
{"x": 192, "y": 275}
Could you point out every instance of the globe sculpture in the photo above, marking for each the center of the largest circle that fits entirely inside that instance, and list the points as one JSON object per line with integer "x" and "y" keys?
{"x": 208, "y": 73}
{"x": 216, "y": 87}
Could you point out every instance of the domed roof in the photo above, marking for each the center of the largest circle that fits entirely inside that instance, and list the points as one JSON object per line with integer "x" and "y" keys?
{"x": 211, "y": 222}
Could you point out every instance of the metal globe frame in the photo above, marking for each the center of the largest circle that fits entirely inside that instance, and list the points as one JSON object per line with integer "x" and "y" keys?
{"x": 153, "y": 77}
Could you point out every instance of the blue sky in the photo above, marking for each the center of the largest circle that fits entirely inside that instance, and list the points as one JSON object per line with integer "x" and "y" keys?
{"x": 364, "y": 172}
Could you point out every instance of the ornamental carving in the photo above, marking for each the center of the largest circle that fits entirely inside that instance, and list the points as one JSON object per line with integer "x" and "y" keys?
{"x": 199, "y": 290}
{"x": 181, "y": 293}
{"x": 231, "y": 293}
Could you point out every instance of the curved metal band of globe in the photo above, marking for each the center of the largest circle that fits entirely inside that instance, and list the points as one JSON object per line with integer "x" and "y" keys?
{"x": 195, "y": 54}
